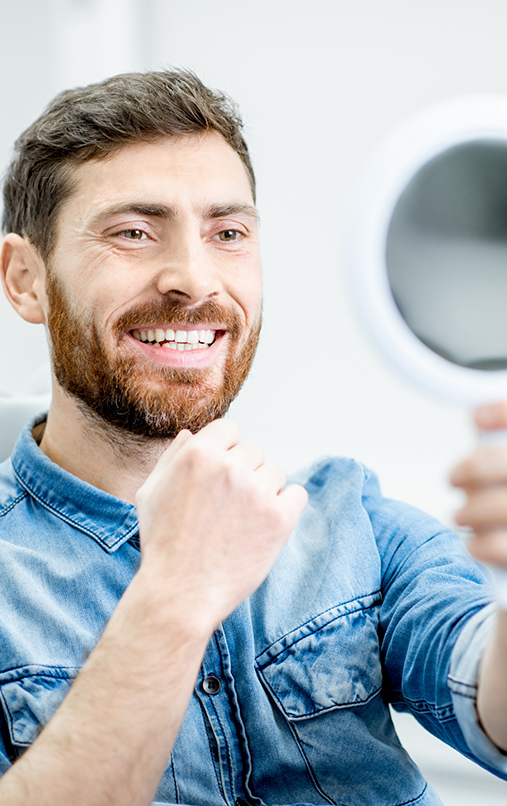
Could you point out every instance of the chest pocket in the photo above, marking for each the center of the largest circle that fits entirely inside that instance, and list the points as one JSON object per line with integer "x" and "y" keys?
{"x": 325, "y": 678}
{"x": 331, "y": 662}
{"x": 30, "y": 696}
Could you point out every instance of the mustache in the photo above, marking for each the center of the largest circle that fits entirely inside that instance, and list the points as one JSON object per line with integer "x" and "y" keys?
{"x": 174, "y": 311}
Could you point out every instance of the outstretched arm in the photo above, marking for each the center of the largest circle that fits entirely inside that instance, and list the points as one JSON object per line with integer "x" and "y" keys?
{"x": 483, "y": 477}
{"x": 213, "y": 518}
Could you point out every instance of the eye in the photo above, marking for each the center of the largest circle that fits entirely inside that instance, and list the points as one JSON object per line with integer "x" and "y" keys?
{"x": 229, "y": 235}
{"x": 133, "y": 234}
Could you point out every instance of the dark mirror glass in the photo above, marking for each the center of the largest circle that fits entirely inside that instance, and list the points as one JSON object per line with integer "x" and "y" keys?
{"x": 447, "y": 254}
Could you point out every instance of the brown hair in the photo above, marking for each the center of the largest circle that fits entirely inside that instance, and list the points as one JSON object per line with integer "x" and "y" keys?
{"x": 90, "y": 123}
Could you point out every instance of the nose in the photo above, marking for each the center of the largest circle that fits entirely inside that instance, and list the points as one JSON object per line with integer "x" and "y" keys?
{"x": 189, "y": 270}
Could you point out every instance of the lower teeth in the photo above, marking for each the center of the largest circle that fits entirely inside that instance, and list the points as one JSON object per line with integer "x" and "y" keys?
{"x": 177, "y": 345}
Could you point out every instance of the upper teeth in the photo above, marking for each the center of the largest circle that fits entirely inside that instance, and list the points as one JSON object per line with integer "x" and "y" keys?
{"x": 176, "y": 339}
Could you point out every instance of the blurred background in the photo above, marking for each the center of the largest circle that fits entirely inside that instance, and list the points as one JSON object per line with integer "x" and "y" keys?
{"x": 320, "y": 85}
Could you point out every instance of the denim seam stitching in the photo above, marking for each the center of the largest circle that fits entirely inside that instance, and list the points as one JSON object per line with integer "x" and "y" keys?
{"x": 218, "y": 639}
{"x": 326, "y": 709}
{"x": 414, "y": 800}
{"x": 309, "y": 767}
{"x": 423, "y": 707}
{"x": 231, "y": 786}
{"x": 14, "y": 503}
{"x": 305, "y": 623}
{"x": 73, "y": 523}
{"x": 173, "y": 773}
{"x": 461, "y": 682}
{"x": 214, "y": 762}
{"x": 60, "y": 676}
{"x": 442, "y": 563}
{"x": 245, "y": 751}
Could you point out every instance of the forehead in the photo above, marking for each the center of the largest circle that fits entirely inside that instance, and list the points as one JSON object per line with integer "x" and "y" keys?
{"x": 189, "y": 171}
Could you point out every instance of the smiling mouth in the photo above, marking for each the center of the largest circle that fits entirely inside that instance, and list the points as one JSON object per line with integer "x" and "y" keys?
{"x": 176, "y": 339}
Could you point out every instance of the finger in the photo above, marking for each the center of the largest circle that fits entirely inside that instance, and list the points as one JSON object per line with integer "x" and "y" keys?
{"x": 248, "y": 455}
{"x": 490, "y": 546}
{"x": 485, "y": 509}
{"x": 492, "y": 416}
{"x": 175, "y": 446}
{"x": 485, "y": 466}
{"x": 219, "y": 434}
{"x": 294, "y": 499}
{"x": 180, "y": 440}
{"x": 271, "y": 477}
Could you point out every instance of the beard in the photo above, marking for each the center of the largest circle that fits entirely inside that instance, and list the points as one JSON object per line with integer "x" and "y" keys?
{"x": 145, "y": 400}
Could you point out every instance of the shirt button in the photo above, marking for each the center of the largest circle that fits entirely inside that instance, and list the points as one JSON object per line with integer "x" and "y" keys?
{"x": 211, "y": 685}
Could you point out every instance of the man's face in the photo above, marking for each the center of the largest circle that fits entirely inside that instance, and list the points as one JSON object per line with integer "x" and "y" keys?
{"x": 154, "y": 285}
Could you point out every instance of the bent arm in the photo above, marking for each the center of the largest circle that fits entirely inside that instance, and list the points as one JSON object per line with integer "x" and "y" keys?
{"x": 213, "y": 518}
{"x": 110, "y": 740}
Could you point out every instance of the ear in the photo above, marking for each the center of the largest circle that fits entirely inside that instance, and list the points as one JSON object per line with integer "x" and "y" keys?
{"x": 23, "y": 278}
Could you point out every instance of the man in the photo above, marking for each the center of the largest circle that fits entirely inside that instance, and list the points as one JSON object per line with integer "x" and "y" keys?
{"x": 229, "y": 639}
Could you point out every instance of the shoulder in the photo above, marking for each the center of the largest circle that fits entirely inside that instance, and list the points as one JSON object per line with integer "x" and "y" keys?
{"x": 330, "y": 474}
{"x": 347, "y": 492}
{"x": 340, "y": 486}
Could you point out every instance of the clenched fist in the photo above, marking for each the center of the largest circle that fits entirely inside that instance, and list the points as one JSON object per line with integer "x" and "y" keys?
{"x": 213, "y": 519}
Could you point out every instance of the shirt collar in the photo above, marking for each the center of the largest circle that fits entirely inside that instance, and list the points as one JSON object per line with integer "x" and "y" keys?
{"x": 107, "y": 519}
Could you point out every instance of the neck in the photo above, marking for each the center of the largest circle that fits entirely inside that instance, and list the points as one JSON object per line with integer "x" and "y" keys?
{"x": 79, "y": 442}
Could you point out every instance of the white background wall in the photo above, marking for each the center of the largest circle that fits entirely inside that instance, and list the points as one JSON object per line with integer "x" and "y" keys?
{"x": 320, "y": 84}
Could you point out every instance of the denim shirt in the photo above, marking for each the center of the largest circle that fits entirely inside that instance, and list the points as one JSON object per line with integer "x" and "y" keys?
{"x": 371, "y": 602}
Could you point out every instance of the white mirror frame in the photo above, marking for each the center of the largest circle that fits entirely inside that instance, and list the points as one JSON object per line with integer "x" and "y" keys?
{"x": 435, "y": 130}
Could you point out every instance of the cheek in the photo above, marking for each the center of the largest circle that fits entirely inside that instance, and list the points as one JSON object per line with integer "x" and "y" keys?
{"x": 255, "y": 302}
{"x": 248, "y": 293}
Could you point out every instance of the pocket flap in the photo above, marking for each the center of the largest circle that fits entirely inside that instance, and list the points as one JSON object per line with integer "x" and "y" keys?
{"x": 30, "y": 697}
{"x": 332, "y": 666}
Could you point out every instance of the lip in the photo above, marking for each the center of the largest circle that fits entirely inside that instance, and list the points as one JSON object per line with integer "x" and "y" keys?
{"x": 191, "y": 359}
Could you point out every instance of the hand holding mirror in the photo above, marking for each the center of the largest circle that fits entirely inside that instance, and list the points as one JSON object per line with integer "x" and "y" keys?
{"x": 427, "y": 254}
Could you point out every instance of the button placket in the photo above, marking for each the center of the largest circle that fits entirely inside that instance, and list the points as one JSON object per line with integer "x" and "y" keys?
{"x": 211, "y": 684}
{"x": 211, "y": 690}
{"x": 218, "y": 702}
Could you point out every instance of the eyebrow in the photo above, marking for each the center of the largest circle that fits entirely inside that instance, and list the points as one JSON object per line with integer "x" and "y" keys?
{"x": 223, "y": 211}
{"x": 134, "y": 208}
{"x": 169, "y": 213}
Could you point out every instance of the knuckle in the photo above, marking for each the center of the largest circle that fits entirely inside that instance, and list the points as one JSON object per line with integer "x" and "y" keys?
{"x": 279, "y": 519}
{"x": 255, "y": 451}
{"x": 231, "y": 475}
{"x": 303, "y": 497}
{"x": 276, "y": 474}
{"x": 199, "y": 457}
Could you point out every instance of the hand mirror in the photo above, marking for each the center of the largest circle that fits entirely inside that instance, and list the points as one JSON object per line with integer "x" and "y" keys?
{"x": 427, "y": 251}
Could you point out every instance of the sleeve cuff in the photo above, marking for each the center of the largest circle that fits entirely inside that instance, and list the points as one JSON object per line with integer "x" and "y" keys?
{"x": 462, "y": 682}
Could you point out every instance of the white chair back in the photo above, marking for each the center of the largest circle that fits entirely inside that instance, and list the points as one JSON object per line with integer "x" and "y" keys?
{"x": 33, "y": 398}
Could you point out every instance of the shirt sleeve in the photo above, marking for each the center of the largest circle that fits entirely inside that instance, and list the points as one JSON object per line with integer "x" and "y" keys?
{"x": 434, "y": 621}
